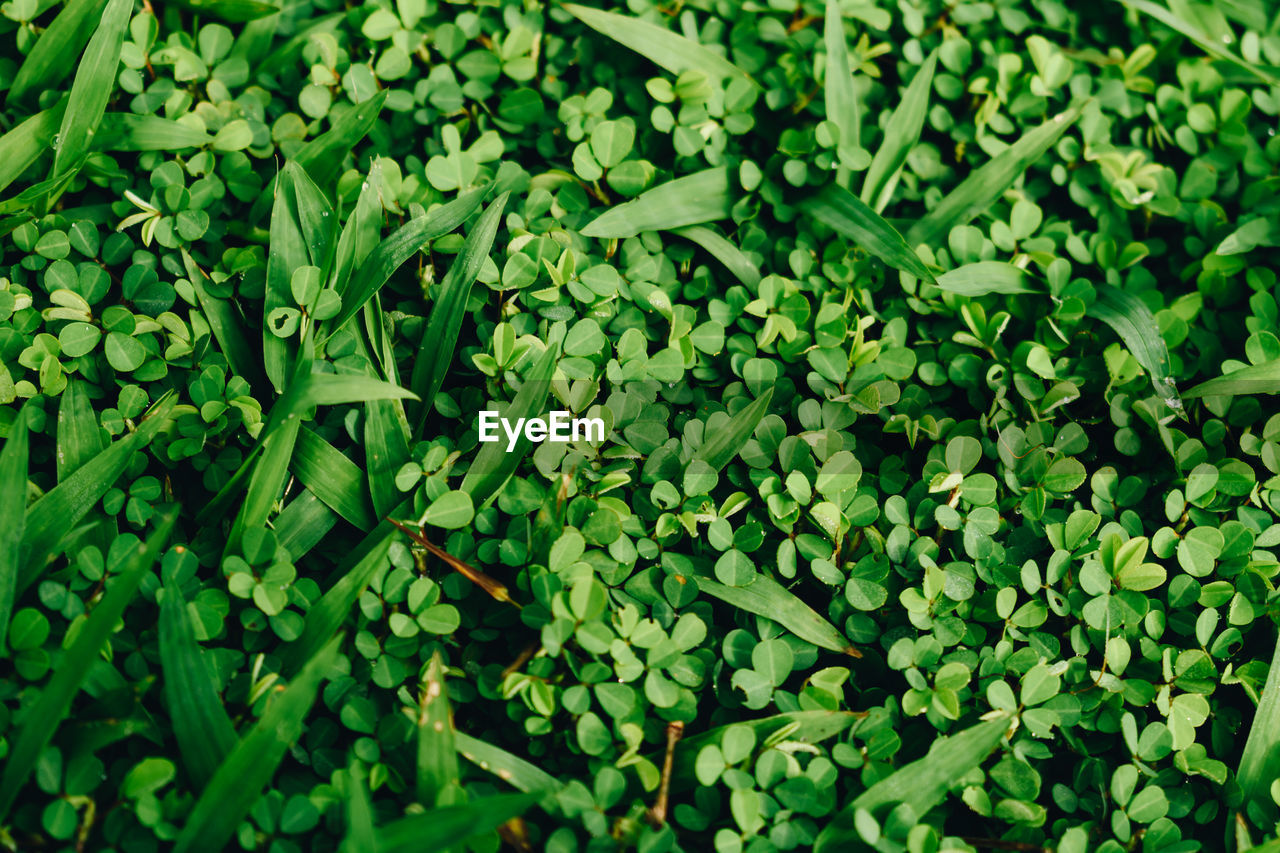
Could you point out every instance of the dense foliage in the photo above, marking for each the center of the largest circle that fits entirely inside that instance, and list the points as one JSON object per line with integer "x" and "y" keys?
{"x": 934, "y": 343}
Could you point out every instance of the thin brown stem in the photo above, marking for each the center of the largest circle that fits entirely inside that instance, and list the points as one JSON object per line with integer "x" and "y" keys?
{"x": 658, "y": 814}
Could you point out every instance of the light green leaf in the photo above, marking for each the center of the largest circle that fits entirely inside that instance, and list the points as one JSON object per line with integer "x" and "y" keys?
{"x": 694, "y": 199}
{"x": 1256, "y": 379}
{"x": 719, "y": 448}
{"x": 842, "y": 211}
{"x": 901, "y": 134}
{"x": 54, "y": 54}
{"x": 733, "y": 258}
{"x": 14, "y": 456}
{"x": 766, "y": 597}
{"x": 1133, "y": 321}
{"x": 95, "y": 80}
{"x": 985, "y": 277}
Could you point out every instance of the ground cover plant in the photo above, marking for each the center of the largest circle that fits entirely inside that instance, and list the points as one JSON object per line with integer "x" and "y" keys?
{"x": 933, "y": 346}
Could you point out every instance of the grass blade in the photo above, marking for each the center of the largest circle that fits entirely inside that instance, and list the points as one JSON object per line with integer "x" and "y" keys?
{"x": 95, "y": 80}
{"x": 986, "y": 184}
{"x": 230, "y": 11}
{"x": 1133, "y": 321}
{"x": 659, "y": 45}
{"x": 303, "y": 523}
{"x": 1199, "y": 37}
{"x": 79, "y": 439}
{"x": 201, "y": 726}
{"x": 287, "y": 53}
{"x": 269, "y": 476}
{"x": 520, "y": 774}
{"x": 241, "y": 777}
{"x": 327, "y": 615}
{"x": 722, "y": 445}
{"x": 129, "y": 132}
{"x": 290, "y": 249}
{"x": 733, "y": 258}
{"x": 361, "y": 835}
{"x": 226, "y": 325}
{"x": 692, "y": 200}
{"x": 843, "y": 108}
{"x": 435, "y": 352}
{"x": 42, "y": 718}
{"x": 437, "y": 758}
{"x": 843, "y": 212}
{"x": 62, "y": 507}
{"x": 922, "y": 783}
{"x": 14, "y": 459}
{"x": 386, "y": 449}
{"x": 359, "y": 235}
{"x": 452, "y": 825}
{"x": 984, "y": 277}
{"x": 23, "y": 145}
{"x": 1260, "y": 762}
{"x": 322, "y": 157}
{"x": 373, "y": 272}
{"x": 1257, "y": 379}
{"x": 900, "y": 136}
{"x": 333, "y": 478}
{"x": 54, "y": 54}
{"x": 493, "y": 465}
{"x": 766, "y": 597}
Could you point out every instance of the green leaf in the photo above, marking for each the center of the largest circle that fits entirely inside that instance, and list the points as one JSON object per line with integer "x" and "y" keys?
{"x": 435, "y": 351}
{"x": 201, "y": 726}
{"x": 437, "y": 757}
{"x": 512, "y": 769}
{"x": 226, "y": 324}
{"x": 378, "y": 265}
{"x": 1133, "y": 321}
{"x": 901, "y": 134}
{"x": 922, "y": 783}
{"x": 54, "y": 54}
{"x": 303, "y": 523}
{"x": 690, "y": 200}
{"x": 239, "y": 780}
{"x": 361, "y": 835}
{"x": 733, "y": 258}
{"x": 129, "y": 132}
{"x": 659, "y": 45}
{"x": 977, "y": 192}
{"x": 23, "y": 145}
{"x": 290, "y": 249}
{"x": 333, "y": 478}
{"x": 842, "y": 211}
{"x": 766, "y": 597}
{"x": 843, "y": 107}
{"x": 231, "y": 11}
{"x": 43, "y": 716}
{"x": 95, "y": 80}
{"x": 1260, "y": 761}
{"x": 79, "y": 438}
{"x": 493, "y": 465}
{"x": 1256, "y": 379}
{"x": 985, "y": 277}
{"x": 62, "y": 507}
{"x": 386, "y": 449}
{"x": 451, "y": 510}
{"x": 722, "y": 445}
{"x": 270, "y": 473}
{"x": 14, "y": 457}
{"x": 452, "y": 825}
{"x": 322, "y": 157}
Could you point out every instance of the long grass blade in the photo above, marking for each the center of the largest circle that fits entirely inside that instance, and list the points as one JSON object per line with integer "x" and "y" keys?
{"x": 922, "y": 783}
{"x": 322, "y": 157}
{"x": 359, "y": 236}
{"x": 361, "y": 834}
{"x": 985, "y": 277}
{"x": 452, "y": 825}
{"x": 493, "y": 465}
{"x": 239, "y": 780}
{"x": 54, "y": 54}
{"x": 269, "y": 476}
{"x": 95, "y": 79}
{"x": 231, "y": 11}
{"x": 333, "y": 478}
{"x": 719, "y": 448}
{"x": 733, "y": 258}
{"x": 24, "y": 145}
{"x": 695, "y": 199}
{"x": 42, "y": 718}
{"x": 79, "y": 438}
{"x": 1133, "y": 321}
{"x": 435, "y": 351}
{"x": 129, "y": 132}
{"x": 438, "y": 783}
{"x": 901, "y": 134}
{"x": 845, "y": 213}
{"x": 1257, "y": 379}
{"x": 843, "y": 107}
{"x": 977, "y": 192}
{"x": 14, "y": 460}
{"x": 386, "y": 449}
{"x": 201, "y": 726}
{"x": 1260, "y": 761}
{"x": 378, "y": 265}
{"x": 226, "y": 324}
{"x": 1200, "y": 38}
{"x": 512, "y": 769}
{"x": 765, "y": 597}
{"x": 659, "y": 45}
{"x": 303, "y": 523}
